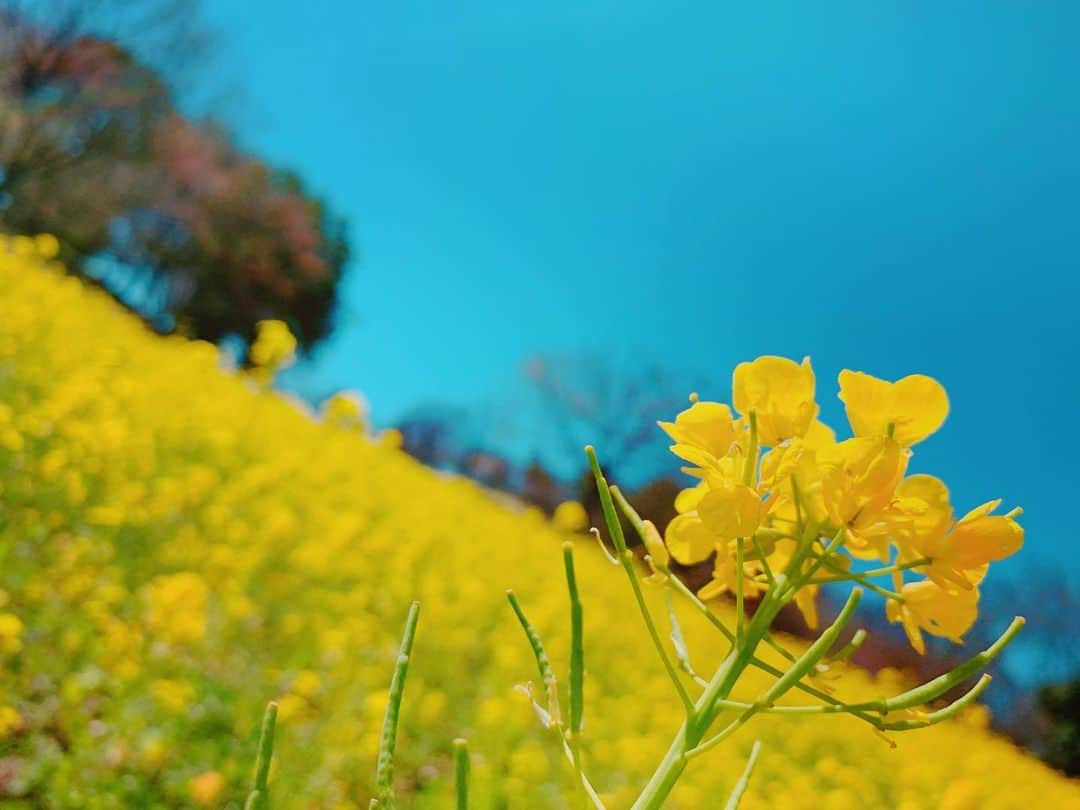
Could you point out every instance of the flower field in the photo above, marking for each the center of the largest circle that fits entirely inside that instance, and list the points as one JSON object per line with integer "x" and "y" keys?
{"x": 179, "y": 544}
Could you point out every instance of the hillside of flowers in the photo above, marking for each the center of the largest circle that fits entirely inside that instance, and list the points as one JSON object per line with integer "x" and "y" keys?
{"x": 179, "y": 544}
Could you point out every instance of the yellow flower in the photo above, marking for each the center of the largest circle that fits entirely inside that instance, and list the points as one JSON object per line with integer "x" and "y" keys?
{"x": 939, "y": 611}
{"x": 731, "y": 510}
{"x": 206, "y": 788}
{"x": 962, "y": 555}
{"x": 274, "y": 345}
{"x": 306, "y": 684}
{"x": 570, "y": 516}
{"x": 177, "y": 607}
{"x": 925, "y": 506}
{"x": 688, "y": 539}
{"x": 858, "y": 484}
{"x": 980, "y": 538}
{"x": 11, "y": 628}
{"x": 725, "y": 576}
{"x": 345, "y": 409}
{"x": 912, "y": 407}
{"x": 702, "y": 432}
{"x": 688, "y": 499}
{"x": 173, "y": 695}
{"x": 47, "y": 246}
{"x": 10, "y": 720}
{"x": 781, "y": 393}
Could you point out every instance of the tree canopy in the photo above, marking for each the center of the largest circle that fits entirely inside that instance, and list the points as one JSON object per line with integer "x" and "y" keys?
{"x": 162, "y": 209}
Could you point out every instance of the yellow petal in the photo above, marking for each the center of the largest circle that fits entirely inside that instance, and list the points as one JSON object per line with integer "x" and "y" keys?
{"x": 921, "y": 408}
{"x": 868, "y": 402}
{"x": 941, "y": 611}
{"x": 860, "y": 478}
{"x": 984, "y": 540}
{"x": 731, "y": 510}
{"x": 704, "y": 425}
{"x": 688, "y": 499}
{"x": 915, "y": 406}
{"x": 933, "y": 515}
{"x": 806, "y": 602}
{"x": 688, "y": 540}
{"x": 819, "y": 435}
{"x": 781, "y": 393}
{"x": 982, "y": 510}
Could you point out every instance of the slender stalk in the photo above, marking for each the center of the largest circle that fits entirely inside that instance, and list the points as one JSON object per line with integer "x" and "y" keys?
{"x": 945, "y": 713}
{"x": 590, "y": 791}
{"x": 849, "y": 649}
{"x": 577, "y": 662}
{"x": 933, "y": 689}
{"x": 639, "y": 525}
{"x": 259, "y": 797}
{"x": 461, "y": 773}
{"x": 764, "y": 560}
{"x": 750, "y": 468}
{"x": 744, "y": 781}
{"x": 720, "y": 685}
{"x": 543, "y": 663}
{"x": 626, "y": 558}
{"x": 682, "y": 654}
{"x": 876, "y": 572}
{"x": 384, "y": 771}
{"x": 740, "y": 607}
{"x": 814, "y": 653}
{"x": 862, "y": 579}
{"x": 577, "y": 644}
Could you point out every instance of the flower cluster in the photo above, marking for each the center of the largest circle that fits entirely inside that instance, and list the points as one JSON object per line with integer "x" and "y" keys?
{"x": 774, "y": 479}
{"x": 180, "y": 545}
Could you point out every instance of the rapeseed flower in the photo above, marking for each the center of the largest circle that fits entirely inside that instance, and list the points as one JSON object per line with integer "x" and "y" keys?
{"x": 852, "y": 495}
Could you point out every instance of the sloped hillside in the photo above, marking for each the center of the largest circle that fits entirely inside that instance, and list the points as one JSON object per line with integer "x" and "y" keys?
{"x": 178, "y": 545}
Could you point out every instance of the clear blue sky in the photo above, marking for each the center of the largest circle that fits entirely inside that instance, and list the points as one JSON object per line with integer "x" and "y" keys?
{"x": 892, "y": 187}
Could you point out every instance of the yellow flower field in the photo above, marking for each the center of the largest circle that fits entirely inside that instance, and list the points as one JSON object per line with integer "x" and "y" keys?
{"x": 179, "y": 544}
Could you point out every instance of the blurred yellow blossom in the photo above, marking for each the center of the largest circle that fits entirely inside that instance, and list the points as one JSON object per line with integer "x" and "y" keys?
{"x": 11, "y": 629}
{"x": 206, "y": 788}
{"x": 570, "y": 516}
{"x": 177, "y": 607}
{"x": 274, "y": 346}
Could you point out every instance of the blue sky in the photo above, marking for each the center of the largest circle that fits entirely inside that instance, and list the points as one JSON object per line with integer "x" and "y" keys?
{"x": 887, "y": 187}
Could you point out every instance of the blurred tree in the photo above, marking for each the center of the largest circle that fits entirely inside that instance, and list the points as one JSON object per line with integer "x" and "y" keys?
{"x": 1061, "y": 704}
{"x": 162, "y": 210}
{"x": 589, "y": 398}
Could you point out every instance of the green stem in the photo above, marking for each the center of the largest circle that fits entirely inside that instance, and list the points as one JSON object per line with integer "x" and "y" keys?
{"x": 876, "y": 572}
{"x": 384, "y": 771}
{"x": 626, "y": 558}
{"x": 851, "y": 576}
{"x": 812, "y": 655}
{"x": 461, "y": 773}
{"x": 750, "y": 469}
{"x": 577, "y": 644}
{"x": 764, "y": 560}
{"x": 933, "y": 689}
{"x": 543, "y": 663}
{"x": 832, "y": 704}
{"x": 577, "y": 663}
{"x": 707, "y": 707}
{"x": 259, "y": 798}
{"x": 744, "y": 781}
{"x": 740, "y": 607}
